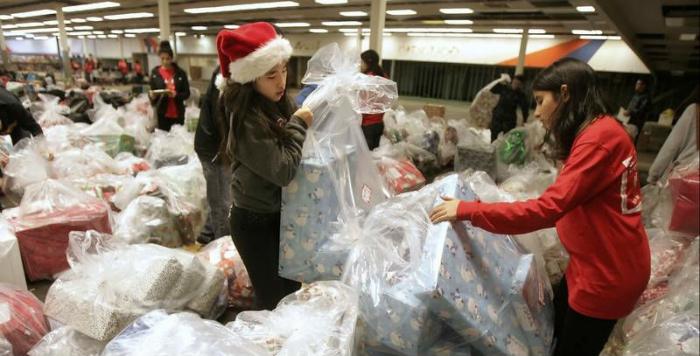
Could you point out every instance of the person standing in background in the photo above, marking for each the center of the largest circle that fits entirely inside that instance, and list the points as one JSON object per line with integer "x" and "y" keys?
{"x": 207, "y": 140}
{"x": 639, "y": 105}
{"x": 123, "y": 67}
{"x": 89, "y": 68}
{"x": 681, "y": 146}
{"x": 372, "y": 124}
{"x": 512, "y": 97}
{"x": 169, "y": 89}
{"x": 138, "y": 70}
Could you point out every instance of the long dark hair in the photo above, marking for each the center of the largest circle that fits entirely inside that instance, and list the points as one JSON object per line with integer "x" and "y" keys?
{"x": 164, "y": 47}
{"x": 371, "y": 58}
{"x": 585, "y": 101}
{"x": 240, "y": 102}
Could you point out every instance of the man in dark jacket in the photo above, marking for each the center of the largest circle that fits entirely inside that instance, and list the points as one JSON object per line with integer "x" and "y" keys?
{"x": 15, "y": 120}
{"x": 505, "y": 115}
{"x": 638, "y": 108}
{"x": 207, "y": 140}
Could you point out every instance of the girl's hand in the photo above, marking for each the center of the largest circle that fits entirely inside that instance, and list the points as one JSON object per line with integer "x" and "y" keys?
{"x": 446, "y": 211}
{"x": 306, "y": 115}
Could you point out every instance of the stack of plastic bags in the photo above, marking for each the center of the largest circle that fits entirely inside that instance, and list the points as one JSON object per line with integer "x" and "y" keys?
{"x": 49, "y": 211}
{"x": 22, "y": 321}
{"x": 336, "y": 170}
{"x": 110, "y": 284}
{"x": 109, "y": 136}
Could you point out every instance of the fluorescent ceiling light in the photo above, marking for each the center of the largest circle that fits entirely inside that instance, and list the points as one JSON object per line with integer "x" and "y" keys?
{"x": 41, "y": 37}
{"x": 585, "y": 8}
{"x": 5, "y": 17}
{"x": 687, "y": 37}
{"x": 429, "y": 30}
{"x": 331, "y": 2}
{"x": 353, "y": 13}
{"x": 587, "y": 32}
{"x": 54, "y": 22}
{"x": 81, "y": 37}
{"x": 142, "y": 30}
{"x": 78, "y": 20}
{"x": 43, "y": 30}
{"x": 91, "y": 37}
{"x": 318, "y": 30}
{"x": 598, "y": 37}
{"x": 404, "y": 12}
{"x": 242, "y": 7}
{"x": 180, "y": 34}
{"x": 94, "y": 18}
{"x": 133, "y": 15}
{"x": 341, "y": 23}
{"x": 101, "y": 36}
{"x": 542, "y": 36}
{"x": 426, "y": 34}
{"x": 30, "y": 24}
{"x": 93, "y": 6}
{"x": 80, "y": 33}
{"x": 457, "y": 11}
{"x": 9, "y": 27}
{"x": 508, "y": 30}
{"x": 34, "y": 13}
{"x": 29, "y": 35}
{"x": 459, "y": 22}
{"x": 83, "y": 28}
{"x": 130, "y": 35}
{"x": 536, "y": 31}
{"x": 116, "y": 31}
{"x": 112, "y": 36}
{"x": 232, "y": 27}
{"x": 19, "y": 38}
{"x": 293, "y": 24}
{"x": 98, "y": 32}
{"x": 352, "y": 30}
{"x": 199, "y": 28}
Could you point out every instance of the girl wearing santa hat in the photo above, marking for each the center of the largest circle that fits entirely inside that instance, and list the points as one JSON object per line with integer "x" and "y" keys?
{"x": 263, "y": 140}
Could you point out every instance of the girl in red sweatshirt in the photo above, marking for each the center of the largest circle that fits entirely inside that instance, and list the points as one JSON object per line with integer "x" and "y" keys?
{"x": 594, "y": 204}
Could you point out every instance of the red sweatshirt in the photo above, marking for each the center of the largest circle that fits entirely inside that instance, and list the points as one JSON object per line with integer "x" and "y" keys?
{"x": 596, "y": 206}
{"x": 372, "y": 119}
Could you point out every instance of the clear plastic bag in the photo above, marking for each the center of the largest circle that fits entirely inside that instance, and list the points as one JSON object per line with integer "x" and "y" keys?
{"x": 131, "y": 164}
{"x": 83, "y": 163}
{"x": 475, "y": 152}
{"x": 147, "y": 220}
{"x": 192, "y": 118}
{"x": 139, "y": 109}
{"x": 51, "y": 112}
{"x": 336, "y": 177}
{"x": 160, "y": 334}
{"x": 66, "y": 341}
{"x": 5, "y": 347}
{"x": 481, "y": 108}
{"x": 110, "y": 284}
{"x": 28, "y": 164}
{"x": 667, "y": 256}
{"x": 22, "y": 321}
{"x": 49, "y": 211}
{"x": 109, "y": 136}
{"x": 170, "y": 148}
{"x": 11, "y": 270}
{"x": 222, "y": 253}
{"x": 317, "y": 320}
{"x": 678, "y": 336}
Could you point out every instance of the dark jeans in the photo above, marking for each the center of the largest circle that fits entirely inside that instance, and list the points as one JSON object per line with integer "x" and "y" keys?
{"x": 218, "y": 177}
{"x": 576, "y": 334}
{"x": 165, "y": 123}
{"x": 373, "y": 133}
{"x": 257, "y": 238}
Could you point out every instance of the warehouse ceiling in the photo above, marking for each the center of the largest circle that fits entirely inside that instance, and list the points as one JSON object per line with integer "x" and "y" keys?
{"x": 652, "y": 28}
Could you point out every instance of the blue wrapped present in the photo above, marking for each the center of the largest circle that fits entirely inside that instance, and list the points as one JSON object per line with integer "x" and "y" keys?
{"x": 478, "y": 286}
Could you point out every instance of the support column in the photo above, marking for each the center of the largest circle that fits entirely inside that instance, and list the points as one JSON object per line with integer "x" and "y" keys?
{"x": 64, "y": 50}
{"x": 520, "y": 69}
{"x": 3, "y": 48}
{"x": 358, "y": 43}
{"x": 121, "y": 46}
{"x": 164, "y": 19}
{"x": 85, "y": 44}
{"x": 376, "y": 20}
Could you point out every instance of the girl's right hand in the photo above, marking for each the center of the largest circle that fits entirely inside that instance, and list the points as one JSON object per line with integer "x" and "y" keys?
{"x": 306, "y": 115}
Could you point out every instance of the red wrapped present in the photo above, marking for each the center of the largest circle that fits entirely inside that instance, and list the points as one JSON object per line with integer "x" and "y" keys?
{"x": 685, "y": 190}
{"x": 401, "y": 175}
{"x": 22, "y": 320}
{"x": 222, "y": 253}
{"x": 48, "y": 213}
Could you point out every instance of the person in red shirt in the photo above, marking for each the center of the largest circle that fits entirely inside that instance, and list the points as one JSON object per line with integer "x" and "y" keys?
{"x": 89, "y": 67}
{"x": 595, "y": 205}
{"x": 123, "y": 69}
{"x": 372, "y": 124}
{"x": 138, "y": 70}
{"x": 170, "y": 104}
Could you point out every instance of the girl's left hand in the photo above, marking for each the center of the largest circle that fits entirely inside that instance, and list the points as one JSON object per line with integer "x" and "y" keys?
{"x": 446, "y": 211}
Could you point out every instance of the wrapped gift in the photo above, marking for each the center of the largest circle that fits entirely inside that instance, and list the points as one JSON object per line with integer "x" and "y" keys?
{"x": 685, "y": 190}
{"x": 319, "y": 319}
{"x": 434, "y": 111}
{"x": 147, "y": 220}
{"x": 478, "y": 158}
{"x": 310, "y": 206}
{"x": 223, "y": 254}
{"x": 11, "y": 270}
{"x": 67, "y": 341}
{"x": 22, "y": 321}
{"x": 170, "y": 148}
{"x": 401, "y": 175}
{"x": 115, "y": 144}
{"x": 49, "y": 211}
{"x": 485, "y": 289}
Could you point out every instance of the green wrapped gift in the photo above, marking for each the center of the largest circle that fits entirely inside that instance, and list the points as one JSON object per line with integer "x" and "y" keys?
{"x": 513, "y": 148}
{"x": 114, "y": 144}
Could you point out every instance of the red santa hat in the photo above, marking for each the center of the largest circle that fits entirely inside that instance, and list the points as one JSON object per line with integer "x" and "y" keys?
{"x": 249, "y": 52}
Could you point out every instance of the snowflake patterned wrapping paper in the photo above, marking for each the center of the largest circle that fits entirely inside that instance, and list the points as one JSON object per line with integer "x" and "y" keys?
{"x": 478, "y": 287}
